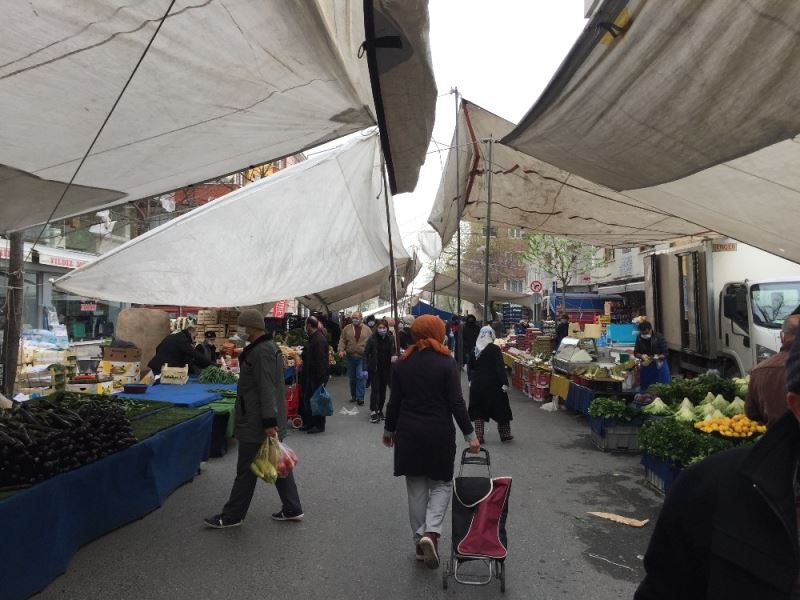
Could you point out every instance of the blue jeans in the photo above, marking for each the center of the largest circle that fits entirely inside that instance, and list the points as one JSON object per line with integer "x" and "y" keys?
{"x": 355, "y": 372}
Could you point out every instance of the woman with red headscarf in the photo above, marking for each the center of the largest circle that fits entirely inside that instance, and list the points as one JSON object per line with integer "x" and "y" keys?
{"x": 425, "y": 397}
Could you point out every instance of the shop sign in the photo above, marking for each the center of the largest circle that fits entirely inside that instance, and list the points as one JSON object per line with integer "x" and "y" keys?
{"x": 279, "y": 309}
{"x": 724, "y": 247}
{"x": 88, "y": 306}
{"x": 44, "y": 258}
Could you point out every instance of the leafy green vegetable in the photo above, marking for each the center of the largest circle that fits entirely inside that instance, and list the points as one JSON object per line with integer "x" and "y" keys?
{"x": 657, "y": 407}
{"x": 217, "y": 375}
{"x": 735, "y": 408}
{"x": 612, "y": 409}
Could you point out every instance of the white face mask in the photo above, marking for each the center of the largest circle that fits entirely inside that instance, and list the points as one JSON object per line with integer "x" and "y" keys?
{"x": 356, "y": 322}
{"x": 647, "y": 336}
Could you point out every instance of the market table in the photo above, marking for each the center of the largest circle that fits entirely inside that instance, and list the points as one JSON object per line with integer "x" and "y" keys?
{"x": 44, "y": 525}
{"x": 189, "y": 394}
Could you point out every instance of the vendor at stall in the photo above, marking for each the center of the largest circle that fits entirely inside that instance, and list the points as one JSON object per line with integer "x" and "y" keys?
{"x": 175, "y": 350}
{"x": 562, "y": 329}
{"x": 206, "y": 354}
{"x": 651, "y": 349}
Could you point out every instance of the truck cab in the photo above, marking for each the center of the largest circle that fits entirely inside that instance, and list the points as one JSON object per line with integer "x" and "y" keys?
{"x": 751, "y": 316}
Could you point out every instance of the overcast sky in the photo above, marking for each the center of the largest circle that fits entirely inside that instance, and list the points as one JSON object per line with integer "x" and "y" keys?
{"x": 501, "y": 55}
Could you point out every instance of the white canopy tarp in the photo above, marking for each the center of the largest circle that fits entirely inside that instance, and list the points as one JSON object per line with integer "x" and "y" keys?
{"x": 539, "y": 197}
{"x": 318, "y": 227}
{"x": 693, "y": 110}
{"x": 224, "y": 86}
{"x": 473, "y": 292}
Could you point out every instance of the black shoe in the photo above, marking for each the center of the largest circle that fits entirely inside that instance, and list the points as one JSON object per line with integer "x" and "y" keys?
{"x": 352, "y": 400}
{"x": 360, "y": 402}
{"x": 282, "y": 516}
{"x": 220, "y": 522}
{"x": 374, "y": 418}
{"x": 380, "y": 416}
{"x": 316, "y": 429}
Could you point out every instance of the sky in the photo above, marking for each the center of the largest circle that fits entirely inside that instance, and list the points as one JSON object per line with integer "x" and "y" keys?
{"x": 501, "y": 55}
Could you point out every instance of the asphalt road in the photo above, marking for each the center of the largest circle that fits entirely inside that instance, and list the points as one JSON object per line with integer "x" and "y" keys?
{"x": 355, "y": 541}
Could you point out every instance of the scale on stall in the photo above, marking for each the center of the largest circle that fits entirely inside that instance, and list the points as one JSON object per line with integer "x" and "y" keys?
{"x": 574, "y": 353}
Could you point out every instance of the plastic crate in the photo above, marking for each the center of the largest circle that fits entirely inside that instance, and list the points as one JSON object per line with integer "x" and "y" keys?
{"x": 617, "y": 438}
{"x": 659, "y": 474}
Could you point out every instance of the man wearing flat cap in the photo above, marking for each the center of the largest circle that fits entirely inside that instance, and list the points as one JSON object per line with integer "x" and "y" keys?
{"x": 260, "y": 411}
{"x": 729, "y": 526}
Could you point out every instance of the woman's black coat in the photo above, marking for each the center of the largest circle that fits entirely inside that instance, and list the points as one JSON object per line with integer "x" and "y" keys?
{"x": 379, "y": 352}
{"x": 425, "y": 397}
{"x": 487, "y": 376}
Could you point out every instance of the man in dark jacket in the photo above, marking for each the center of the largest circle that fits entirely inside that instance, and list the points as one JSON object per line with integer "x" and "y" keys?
{"x": 314, "y": 373}
{"x": 175, "y": 350}
{"x": 470, "y": 336}
{"x": 562, "y": 329}
{"x": 728, "y": 528}
{"x": 260, "y": 412}
{"x": 206, "y": 354}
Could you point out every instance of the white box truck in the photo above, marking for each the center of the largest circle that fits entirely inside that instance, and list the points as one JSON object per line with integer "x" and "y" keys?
{"x": 719, "y": 303}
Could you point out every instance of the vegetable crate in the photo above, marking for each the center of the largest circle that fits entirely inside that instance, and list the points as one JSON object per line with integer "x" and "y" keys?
{"x": 610, "y": 435}
{"x": 659, "y": 473}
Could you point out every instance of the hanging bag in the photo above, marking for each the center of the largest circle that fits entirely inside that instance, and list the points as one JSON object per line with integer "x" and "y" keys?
{"x": 321, "y": 402}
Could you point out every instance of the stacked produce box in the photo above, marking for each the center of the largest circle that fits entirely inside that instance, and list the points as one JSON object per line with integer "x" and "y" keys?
{"x": 220, "y": 321}
{"x": 122, "y": 365}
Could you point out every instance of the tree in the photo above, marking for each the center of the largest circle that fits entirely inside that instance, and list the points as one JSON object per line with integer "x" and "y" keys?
{"x": 562, "y": 259}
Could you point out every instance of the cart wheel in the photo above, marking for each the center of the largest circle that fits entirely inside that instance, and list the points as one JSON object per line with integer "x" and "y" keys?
{"x": 445, "y": 574}
{"x": 502, "y": 568}
{"x": 297, "y": 422}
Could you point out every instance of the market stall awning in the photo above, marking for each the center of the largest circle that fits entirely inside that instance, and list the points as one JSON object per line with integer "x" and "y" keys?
{"x": 537, "y": 196}
{"x": 473, "y": 292}
{"x": 225, "y": 85}
{"x": 317, "y": 227}
{"x": 685, "y": 107}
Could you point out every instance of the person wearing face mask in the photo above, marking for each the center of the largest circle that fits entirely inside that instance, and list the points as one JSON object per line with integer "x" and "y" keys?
{"x": 379, "y": 354}
{"x": 352, "y": 344}
{"x": 651, "y": 349}
{"x": 206, "y": 354}
{"x": 314, "y": 373}
{"x": 370, "y": 322}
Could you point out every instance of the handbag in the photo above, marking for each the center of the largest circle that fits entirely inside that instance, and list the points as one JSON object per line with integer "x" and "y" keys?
{"x": 321, "y": 402}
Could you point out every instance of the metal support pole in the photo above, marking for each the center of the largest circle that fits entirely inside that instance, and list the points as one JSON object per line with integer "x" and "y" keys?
{"x": 488, "y": 233}
{"x": 392, "y": 266}
{"x": 13, "y": 318}
{"x": 457, "y": 150}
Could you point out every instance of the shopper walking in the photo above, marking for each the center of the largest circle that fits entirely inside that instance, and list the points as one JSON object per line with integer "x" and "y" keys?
{"x": 470, "y": 336}
{"x": 379, "y": 354}
{"x": 314, "y": 372}
{"x": 488, "y": 387}
{"x": 352, "y": 345}
{"x": 426, "y": 396}
{"x": 260, "y": 411}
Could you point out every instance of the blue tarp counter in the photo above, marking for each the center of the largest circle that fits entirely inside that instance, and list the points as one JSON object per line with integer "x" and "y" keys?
{"x": 42, "y": 527}
{"x": 190, "y": 394}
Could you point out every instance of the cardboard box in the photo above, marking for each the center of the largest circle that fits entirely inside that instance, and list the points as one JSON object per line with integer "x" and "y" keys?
{"x": 122, "y": 354}
{"x": 100, "y": 387}
{"x": 114, "y": 368}
{"x": 207, "y": 317}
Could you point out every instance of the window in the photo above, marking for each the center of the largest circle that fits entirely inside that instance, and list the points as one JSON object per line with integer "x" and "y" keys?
{"x": 608, "y": 255}
{"x": 515, "y": 233}
{"x": 515, "y": 285}
{"x": 493, "y": 232}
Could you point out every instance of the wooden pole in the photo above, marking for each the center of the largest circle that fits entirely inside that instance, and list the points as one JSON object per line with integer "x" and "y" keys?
{"x": 488, "y": 234}
{"x": 13, "y": 318}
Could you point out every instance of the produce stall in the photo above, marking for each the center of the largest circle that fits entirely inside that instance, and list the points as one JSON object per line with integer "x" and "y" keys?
{"x": 109, "y": 461}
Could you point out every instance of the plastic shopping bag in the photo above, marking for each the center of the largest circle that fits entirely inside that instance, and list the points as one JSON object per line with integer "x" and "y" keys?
{"x": 321, "y": 403}
{"x": 265, "y": 464}
{"x": 287, "y": 460}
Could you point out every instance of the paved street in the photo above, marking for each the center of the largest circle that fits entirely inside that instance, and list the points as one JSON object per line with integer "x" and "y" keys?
{"x": 355, "y": 540}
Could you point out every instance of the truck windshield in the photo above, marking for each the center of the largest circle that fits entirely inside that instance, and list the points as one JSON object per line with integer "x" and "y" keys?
{"x": 773, "y": 302}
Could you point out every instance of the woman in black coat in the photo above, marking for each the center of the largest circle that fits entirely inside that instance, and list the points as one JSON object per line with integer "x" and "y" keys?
{"x": 426, "y": 396}
{"x": 314, "y": 373}
{"x": 488, "y": 383}
{"x": 469, "y": 336}
{"x": 378, "y": 355}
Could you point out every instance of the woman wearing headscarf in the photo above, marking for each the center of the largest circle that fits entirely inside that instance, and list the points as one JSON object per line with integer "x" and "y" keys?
{"x": 488, "y": 384}
{"x": 426, "y": 396}
{"x": 378, "y": 355}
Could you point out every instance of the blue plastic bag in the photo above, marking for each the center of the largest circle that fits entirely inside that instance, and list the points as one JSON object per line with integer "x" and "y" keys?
{"x": 321, "y": 403}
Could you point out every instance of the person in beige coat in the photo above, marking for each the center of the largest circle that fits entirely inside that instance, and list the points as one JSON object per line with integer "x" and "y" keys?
{"x": 352, "y": 345}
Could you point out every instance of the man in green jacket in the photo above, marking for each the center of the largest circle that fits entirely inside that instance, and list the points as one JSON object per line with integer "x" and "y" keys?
{"x": 260, "y": 412}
